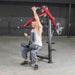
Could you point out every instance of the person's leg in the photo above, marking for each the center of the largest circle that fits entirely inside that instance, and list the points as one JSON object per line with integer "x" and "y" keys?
{"x": 24, "y": 55}
{"x": 34, "y": 57}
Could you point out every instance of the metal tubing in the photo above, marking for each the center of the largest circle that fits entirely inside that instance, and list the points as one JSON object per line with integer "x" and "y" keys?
{"x": 69, "y": 18}
{"x": 49, "y": 42}
{"x": 42, "y": 57}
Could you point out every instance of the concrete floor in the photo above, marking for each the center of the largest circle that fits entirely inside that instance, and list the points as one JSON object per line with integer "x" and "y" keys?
{"x": 63, "y": 58}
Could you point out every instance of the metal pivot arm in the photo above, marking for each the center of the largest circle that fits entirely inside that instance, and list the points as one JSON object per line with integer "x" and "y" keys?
{"x": 50, "y": 16}
{"x": 46, "y": 12}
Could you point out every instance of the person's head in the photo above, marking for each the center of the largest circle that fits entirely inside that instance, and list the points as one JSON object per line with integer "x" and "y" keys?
{"x": 34, "y": 24}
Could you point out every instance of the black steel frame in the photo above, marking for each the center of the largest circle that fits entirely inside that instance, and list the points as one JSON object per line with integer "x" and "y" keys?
{"x": 49, "y": 58}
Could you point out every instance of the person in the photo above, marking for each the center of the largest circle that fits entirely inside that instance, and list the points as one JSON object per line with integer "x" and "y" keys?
{"x": 36, "y": 40}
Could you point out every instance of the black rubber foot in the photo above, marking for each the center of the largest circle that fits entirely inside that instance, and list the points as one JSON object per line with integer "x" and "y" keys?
{"x": 50, "y": 62}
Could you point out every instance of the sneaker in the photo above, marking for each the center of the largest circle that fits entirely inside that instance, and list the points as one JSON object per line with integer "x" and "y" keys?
{"x": 24, "y": 63}
{"x": 36, "y": 67}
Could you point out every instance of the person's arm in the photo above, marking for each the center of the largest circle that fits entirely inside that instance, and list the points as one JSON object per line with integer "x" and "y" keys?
{"x": 27, "y": 35}
{"x": 36, "y": 16}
